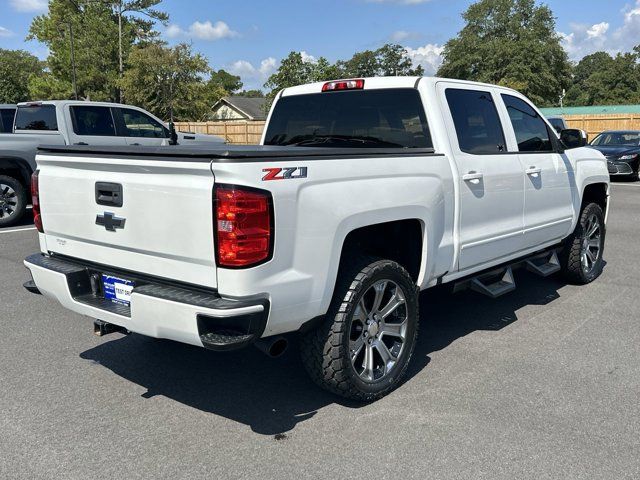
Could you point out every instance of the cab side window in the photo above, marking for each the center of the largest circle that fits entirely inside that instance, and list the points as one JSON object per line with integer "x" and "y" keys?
{"x": 476, "y": 120}
{"x": 93, "y": 121}
{"x": 138, "y": 124}
{"x": 531, "y": 130}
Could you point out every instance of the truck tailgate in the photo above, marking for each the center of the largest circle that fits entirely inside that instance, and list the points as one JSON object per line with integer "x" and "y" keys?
{"x": 164, "y": 226}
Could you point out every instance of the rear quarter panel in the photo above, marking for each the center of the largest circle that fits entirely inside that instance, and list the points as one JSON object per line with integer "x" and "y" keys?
{"x": 313, "y": 216}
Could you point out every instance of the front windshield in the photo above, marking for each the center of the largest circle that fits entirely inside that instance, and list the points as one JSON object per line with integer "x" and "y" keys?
{"x": 617, "y": 139}
{"x": 391, "y": 118}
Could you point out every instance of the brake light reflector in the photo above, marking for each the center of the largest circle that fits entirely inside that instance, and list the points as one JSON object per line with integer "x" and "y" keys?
{"x": 243, "y": 226}
{"x": 35, "y": 201}
{"x": 356, "y": 84}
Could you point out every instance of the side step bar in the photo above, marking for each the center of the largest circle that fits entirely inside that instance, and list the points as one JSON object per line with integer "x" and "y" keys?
{"x": 504, "y": 284}
{"x": 544, "y": 266}
{"x": 497, "y": 282}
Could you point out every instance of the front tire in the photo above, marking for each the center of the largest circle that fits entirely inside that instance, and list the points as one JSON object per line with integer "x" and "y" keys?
{"x": 581, "y": 258}
{"x": 13, "y": 201}
{"x": 362, "y": 349}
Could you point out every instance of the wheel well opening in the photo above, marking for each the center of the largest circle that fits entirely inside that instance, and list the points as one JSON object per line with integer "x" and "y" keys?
{"x": 15, "y": 169}
{"x": 400, "y": 241}
{"x": 595, "y": 193}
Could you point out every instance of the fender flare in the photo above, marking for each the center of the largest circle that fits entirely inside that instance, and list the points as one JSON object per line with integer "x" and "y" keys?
{"x": 17, "y": 163}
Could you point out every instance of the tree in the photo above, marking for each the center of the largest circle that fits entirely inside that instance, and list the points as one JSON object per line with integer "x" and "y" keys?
{"x": 142, "y": 25}
{"x": 168, "y": 82}
{"x": 251, "y": 93}
{"x": 389, "y": 60}
{"x": 600, "y": 79}
{"x": 230, "y": 83}
{"x": 294, "y": 70}
{"x": 17, "y": 67}
{"x": 512, "y": 43}
{"x": 97, "y": 42}
{"x": 393, "y": 61}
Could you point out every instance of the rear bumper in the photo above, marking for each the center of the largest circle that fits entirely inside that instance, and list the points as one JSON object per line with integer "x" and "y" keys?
{"x": 158, "y": 309}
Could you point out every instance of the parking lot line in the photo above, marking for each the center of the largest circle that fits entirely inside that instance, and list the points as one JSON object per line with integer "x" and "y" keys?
{"x": 14, "y": 230}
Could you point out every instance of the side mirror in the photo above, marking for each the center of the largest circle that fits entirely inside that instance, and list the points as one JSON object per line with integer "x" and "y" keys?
{"x": 173, "y": 136}
{"x": 573, "y": 138}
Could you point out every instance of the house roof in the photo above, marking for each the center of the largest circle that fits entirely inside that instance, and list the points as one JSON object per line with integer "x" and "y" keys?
{"x": 251, "y": 107}
{"x": 592, "y": 110}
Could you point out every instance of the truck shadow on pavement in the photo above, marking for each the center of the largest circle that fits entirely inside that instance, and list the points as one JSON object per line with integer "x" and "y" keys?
{"x": 272, "y": 396}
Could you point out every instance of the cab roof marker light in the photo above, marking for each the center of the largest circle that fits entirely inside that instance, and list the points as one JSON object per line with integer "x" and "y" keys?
{"x": 353, "y": 84}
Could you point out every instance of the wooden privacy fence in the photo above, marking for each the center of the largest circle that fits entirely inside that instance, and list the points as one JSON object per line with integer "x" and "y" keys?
{"x": 595, "y": 124}
{"x": 238, "y": 132}
{"x": 250, "y": 132}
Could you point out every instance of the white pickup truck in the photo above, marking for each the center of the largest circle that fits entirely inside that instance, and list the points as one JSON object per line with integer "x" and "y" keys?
{"x": 363, "y": 193}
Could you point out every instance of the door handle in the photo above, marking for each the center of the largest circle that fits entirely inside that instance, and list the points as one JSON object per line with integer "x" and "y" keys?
{"x": 109, "y": 194}
{"x": 533, "y": 171}
{"x": 472, "y": 176}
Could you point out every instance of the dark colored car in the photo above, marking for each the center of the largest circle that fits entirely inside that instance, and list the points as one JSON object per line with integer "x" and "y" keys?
{"x": 558, "y": 123}
{"x": 7, "y": 112}
{"x": 622, "y": 149}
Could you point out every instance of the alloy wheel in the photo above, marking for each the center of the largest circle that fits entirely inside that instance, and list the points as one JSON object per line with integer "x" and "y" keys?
{"x": 378, "y": 330}
{"x": 591, "y": 244}
{"x": 8, "y": 201}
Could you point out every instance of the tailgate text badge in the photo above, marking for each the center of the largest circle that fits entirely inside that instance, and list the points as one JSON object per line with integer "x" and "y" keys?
{"x": 109, "y": 221}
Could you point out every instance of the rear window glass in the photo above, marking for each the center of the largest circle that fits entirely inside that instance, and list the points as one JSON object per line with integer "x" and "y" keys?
{"x": 362, "y": 118}
{"x": 95, "y": 121}
{"x": 6, "y": 119}
{"x": 37, "y": 117}
{"x": 476, "y": 120}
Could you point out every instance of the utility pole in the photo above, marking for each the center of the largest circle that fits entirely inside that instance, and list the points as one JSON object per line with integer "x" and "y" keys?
{"x": 73, "y": 62}
{"x": 121, "y": 68}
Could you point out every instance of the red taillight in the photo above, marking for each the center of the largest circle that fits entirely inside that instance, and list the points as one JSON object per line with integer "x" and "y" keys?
{"x": 356, "y": 84}
{"x": 35, "y": 201}
{"x": 243, "y": 226}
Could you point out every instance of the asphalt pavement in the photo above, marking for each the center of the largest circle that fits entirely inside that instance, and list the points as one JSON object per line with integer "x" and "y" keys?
{"x": 543, "y": 383}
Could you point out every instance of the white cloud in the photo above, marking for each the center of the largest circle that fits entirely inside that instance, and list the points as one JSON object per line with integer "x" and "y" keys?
{"x": 429, "y": 56}
{"x": 209, "y": 31}
{"x": 5, "y": 32}
{"x": 173, "y": 31}
{"x": 29, "y": 5}
{"x": 254, "y": 76}
{"x": 308, "y": 58}
{"x": 585, "y": 39}
{"x": 202, "y": 30}
{"x": 402, "y": 35}
{"x": 598, "y": 30}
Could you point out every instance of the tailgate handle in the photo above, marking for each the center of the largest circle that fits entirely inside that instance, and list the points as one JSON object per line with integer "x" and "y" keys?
{"x": 109, "y": 194}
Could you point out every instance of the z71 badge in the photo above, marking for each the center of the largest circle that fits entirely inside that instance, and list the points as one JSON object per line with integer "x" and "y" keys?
{"x": 287, "y": 173}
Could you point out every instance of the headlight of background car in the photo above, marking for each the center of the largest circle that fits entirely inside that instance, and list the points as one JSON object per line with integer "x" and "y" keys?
{"x": 628, "y": 157}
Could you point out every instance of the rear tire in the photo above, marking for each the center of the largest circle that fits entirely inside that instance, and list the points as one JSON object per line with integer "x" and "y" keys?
{"x": 362, "y": 349}
{"x": 581, "y": 258}
{"x": 13, "y": 200}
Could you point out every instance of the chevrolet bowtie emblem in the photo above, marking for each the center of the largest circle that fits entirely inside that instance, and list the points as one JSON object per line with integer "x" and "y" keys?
{"x": 110, "y": 222}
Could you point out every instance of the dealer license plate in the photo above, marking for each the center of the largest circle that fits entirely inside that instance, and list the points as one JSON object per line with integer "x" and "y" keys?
{"x": 118, "y": 290}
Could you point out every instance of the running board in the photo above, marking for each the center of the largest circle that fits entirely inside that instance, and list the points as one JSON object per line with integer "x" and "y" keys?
{"x": 544, "y": 266}
{"x": 504, "y": 284}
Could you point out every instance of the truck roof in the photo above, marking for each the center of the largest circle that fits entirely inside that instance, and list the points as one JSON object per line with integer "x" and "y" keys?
{"x": 7, "y": 105}
{"x": 386, "y": 82}
{"x": 62, "y": 103}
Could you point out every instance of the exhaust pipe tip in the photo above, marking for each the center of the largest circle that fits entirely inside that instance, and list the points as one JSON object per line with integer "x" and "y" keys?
{"x": 274, "y": 347}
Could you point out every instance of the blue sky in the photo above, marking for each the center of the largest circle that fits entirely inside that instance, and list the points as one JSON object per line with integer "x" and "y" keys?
{"x": 249, "y": 37}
